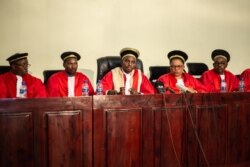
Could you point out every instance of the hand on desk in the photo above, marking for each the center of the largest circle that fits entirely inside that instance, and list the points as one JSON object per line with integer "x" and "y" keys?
{"x": 134, "y": 92}
{"x": 192, "y": 90}
{"x": 112, "y": 92}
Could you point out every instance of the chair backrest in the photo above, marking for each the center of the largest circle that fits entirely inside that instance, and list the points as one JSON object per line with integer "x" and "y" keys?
{"x": 4, "y": 69}
{"x": 105, "y": 64}
{"x": 47, "y": 74}
{"x": 196, "y": 68}
{"x": 157, "y": 71}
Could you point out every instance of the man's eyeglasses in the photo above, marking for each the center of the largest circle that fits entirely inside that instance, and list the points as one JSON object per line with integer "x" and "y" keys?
{"x": 177, "y": 66}
{"x": 23, "y": 65}
{"x": 220, "y": 63}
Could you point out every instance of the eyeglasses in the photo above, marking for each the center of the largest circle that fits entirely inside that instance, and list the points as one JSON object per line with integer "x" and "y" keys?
{"x": 177, "y": 66}
{"x": 220, "y": 63}
{"x": 23, "y": 65}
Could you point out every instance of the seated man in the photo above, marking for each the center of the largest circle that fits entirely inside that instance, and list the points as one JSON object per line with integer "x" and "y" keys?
{"x": 245, "y": 75}
{"x": 19, "y": 75}
{"x": 68, "y": 82}
{"x": 178, "y": 81}
{"x": 127, "y": 76}
{"x": 212, "y": 78}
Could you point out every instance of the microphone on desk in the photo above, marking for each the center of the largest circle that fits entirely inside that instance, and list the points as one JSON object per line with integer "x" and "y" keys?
{"x": 170, "y": 90}
{"x": 182, "y": 88}
{"x": 160, "y": 87}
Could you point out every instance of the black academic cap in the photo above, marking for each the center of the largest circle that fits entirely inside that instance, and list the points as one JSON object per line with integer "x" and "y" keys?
{"x": 178, "y": 54}
{"x": 126, "y": 51}
{"x": 16, "y": 57}
{"x": 69, "y": 54}
{"x": 220, "y": 53}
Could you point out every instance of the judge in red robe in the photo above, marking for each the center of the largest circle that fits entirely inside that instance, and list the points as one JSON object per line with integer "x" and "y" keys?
{"x": 18, "y": 74}
{"x": 212, "y": 78}
{"x": 126, "y": 77}
{"x": 177, "y": 81}
{"x": 68, "y": 83}
{"x": 245, "y": 76}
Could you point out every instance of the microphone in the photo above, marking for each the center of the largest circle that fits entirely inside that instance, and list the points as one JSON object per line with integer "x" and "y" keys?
{"x": 170, "y": 90}
{"x": 160, "y": 87}
{"x": 182, "y": 88}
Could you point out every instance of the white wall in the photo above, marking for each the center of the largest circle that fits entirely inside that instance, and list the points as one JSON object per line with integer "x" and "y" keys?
{"x": 95, "y": 28}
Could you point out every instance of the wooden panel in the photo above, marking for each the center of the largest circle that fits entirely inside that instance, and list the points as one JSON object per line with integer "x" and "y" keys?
{"x": 118, "y": 140}
{"x": 56, "y": 132}
{"x": 123, "y": 137}
{"x": 239, "y": 133}
{"x": 148, "y": 133}
{"x": 16, "y": 140}
{"x": 211, "y": 124}
{"x": 123, "y": 130}
{"x": 99, "y": 159}
{"x": 64, "y": 138}
{"x": 170, "y": 137}
{"x": 87, "y": 132}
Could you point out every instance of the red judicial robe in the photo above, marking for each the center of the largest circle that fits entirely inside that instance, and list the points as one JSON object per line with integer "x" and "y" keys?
{"x": 246, "y": 76}
{"x": 35, "y": 87}
{"x": 169, "y": 80}
{"x": 212, "y": 81}
{"x": 145, "y": 85}
{"x": 3, "y": 90}
{"x": 57, "y": 84}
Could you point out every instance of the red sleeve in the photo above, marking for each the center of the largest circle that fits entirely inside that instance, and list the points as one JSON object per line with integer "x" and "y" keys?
{"x": 196, "y": 84}
{"x": 107, "y": 82}
{"x": 39, "y": 89}
{"x": 246, "y": 76}
{"x": 91, "y": 90}
{"x": 35, "y": 87}
{"x": 80, "y": 78}
{"x": 210, "y": 81}
{"x": 146, "y": 86}
{"x": 3, "y": 92}
{"x": 52, "y": 87}
{"x": 232, "y": 82}
{"x": 10, "y": 83}
{"x": 169, "y": 82}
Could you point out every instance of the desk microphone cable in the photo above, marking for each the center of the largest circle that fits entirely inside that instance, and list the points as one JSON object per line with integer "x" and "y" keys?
{"x": 170, "y": 131}
{"x": 194, "y": 129}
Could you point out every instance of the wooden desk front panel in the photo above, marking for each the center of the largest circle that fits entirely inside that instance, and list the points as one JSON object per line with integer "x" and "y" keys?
{"x": 46, "y": 132}
{"x": 170, "y": 136}
{"x": 127, "y": 131}
{"x": 222, "y": 123}
{"x": 16, "y": 139}
{"x": 139, "y": 131}
{"x": 123, "y": 130}
{"x": 239, "y": 133}
{"x": 211, "y": 140}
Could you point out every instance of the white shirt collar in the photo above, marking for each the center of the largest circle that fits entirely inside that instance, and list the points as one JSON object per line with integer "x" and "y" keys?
{"x": 18, "y": 85}
{"x": 71, "y": 86}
